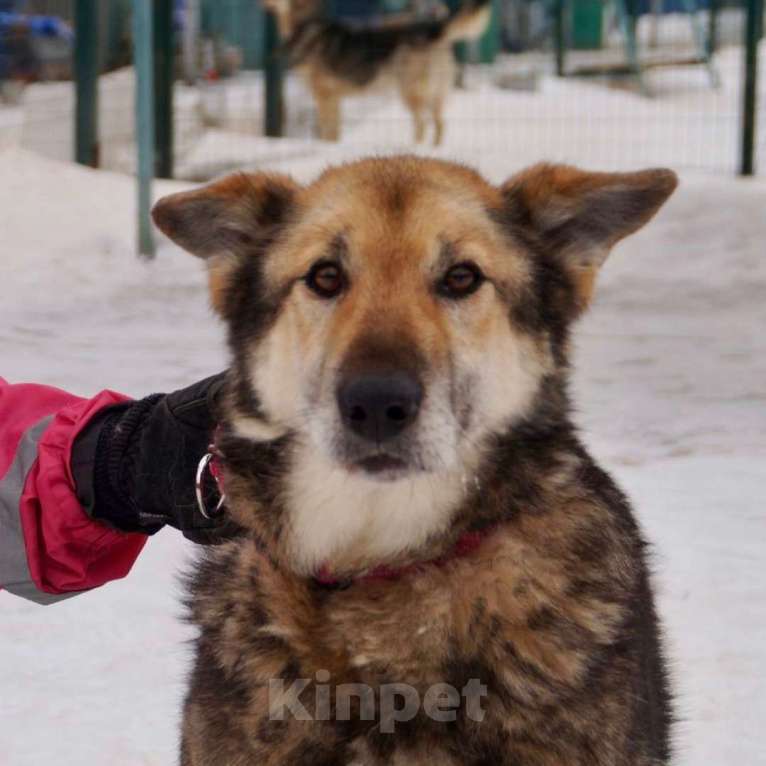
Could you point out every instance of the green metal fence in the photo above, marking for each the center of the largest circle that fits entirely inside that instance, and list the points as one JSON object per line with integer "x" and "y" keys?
{"x": 753, "y": 34}
{"x": 213, "y": 121}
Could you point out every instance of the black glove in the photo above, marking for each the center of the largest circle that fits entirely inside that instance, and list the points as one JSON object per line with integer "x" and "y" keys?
{"x": 135, "y": 465}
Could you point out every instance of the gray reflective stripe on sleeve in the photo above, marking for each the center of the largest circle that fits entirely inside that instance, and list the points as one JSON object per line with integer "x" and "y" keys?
{"x": 14, "y": 569}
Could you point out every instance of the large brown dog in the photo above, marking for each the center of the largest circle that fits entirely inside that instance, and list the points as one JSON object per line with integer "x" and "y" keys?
{"x": 415, "y": 57}
{"x": 434, "y": 571}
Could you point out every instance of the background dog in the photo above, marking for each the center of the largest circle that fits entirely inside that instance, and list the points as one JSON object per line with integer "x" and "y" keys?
{"x": 398, "y": 444}
{"x": 337, "y": 59}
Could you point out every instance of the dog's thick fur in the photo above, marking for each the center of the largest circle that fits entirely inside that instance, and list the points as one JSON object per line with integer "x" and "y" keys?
{"x": 553, "y": 612}
{"x": 414, "y": 57}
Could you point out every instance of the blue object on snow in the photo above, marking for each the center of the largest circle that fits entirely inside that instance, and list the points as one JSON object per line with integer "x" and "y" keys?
{"x": 37, "y": 26}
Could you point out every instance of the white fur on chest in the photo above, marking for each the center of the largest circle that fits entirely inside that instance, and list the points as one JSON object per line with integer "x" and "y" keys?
{"x": 338, "y": 518}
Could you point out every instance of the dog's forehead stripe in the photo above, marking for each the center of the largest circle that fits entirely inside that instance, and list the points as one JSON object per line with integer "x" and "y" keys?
{"x": 395, "y": 214}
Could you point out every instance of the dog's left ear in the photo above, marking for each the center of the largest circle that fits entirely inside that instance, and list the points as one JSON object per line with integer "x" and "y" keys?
{"x": 578, "y": 216}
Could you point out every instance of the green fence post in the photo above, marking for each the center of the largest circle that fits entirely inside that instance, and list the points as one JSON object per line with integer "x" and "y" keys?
{"x": 190, "y": 43}
{"x": 559, "y": 31}
{"x": 587, "y": 24}
{"x": 753, "y": 31}
{"x": 164, "y": 68}
{"x": 86, "y": 150}
{"x": 489, "y": 42}
{"x": 274, "y": 106}
{"x": 142, "y": 52}
{"x": 712, "y": 28}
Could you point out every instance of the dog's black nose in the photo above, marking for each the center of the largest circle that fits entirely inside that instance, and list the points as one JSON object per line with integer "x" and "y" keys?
{"x": 377, "y": 407}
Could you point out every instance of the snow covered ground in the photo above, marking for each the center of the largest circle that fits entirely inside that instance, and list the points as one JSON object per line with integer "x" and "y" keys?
{"x": 671, "y": 365}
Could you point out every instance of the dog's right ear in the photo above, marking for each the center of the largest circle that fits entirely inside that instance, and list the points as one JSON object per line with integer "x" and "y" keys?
{"x": 224, "y": 221}
{"x": 226, "y": 217}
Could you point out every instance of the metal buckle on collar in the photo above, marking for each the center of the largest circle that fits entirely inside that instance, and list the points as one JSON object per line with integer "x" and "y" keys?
{"x": 203, "y": 466}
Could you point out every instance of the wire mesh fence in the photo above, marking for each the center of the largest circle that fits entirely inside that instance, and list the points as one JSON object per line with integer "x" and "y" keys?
{"x": 603, "y": 83}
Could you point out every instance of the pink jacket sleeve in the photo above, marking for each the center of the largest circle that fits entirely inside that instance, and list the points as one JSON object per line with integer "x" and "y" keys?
{"x": 49, "y": 547}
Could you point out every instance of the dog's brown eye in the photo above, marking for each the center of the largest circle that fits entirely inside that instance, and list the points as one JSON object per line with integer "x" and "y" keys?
{"x": 461, "y": 280}
{"x": 326, "y": 279}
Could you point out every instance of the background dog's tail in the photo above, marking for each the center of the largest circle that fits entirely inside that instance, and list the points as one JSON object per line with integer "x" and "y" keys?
{"x": 469, "y": 21}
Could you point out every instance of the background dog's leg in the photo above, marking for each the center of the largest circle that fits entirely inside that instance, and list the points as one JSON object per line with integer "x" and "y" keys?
{"x": 414, "y": 102}
{"x": 437, "y": 110}
{"x": 328, "y": 114}
{"x": 327, "y": 101}
{"x": 420, "y": 125}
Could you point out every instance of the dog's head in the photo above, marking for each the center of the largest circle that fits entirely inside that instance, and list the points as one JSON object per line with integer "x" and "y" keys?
{"x": 396, "y": 313}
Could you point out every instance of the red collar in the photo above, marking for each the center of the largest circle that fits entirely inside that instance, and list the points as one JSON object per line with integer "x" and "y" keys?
{"x": 467, "y": 543}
